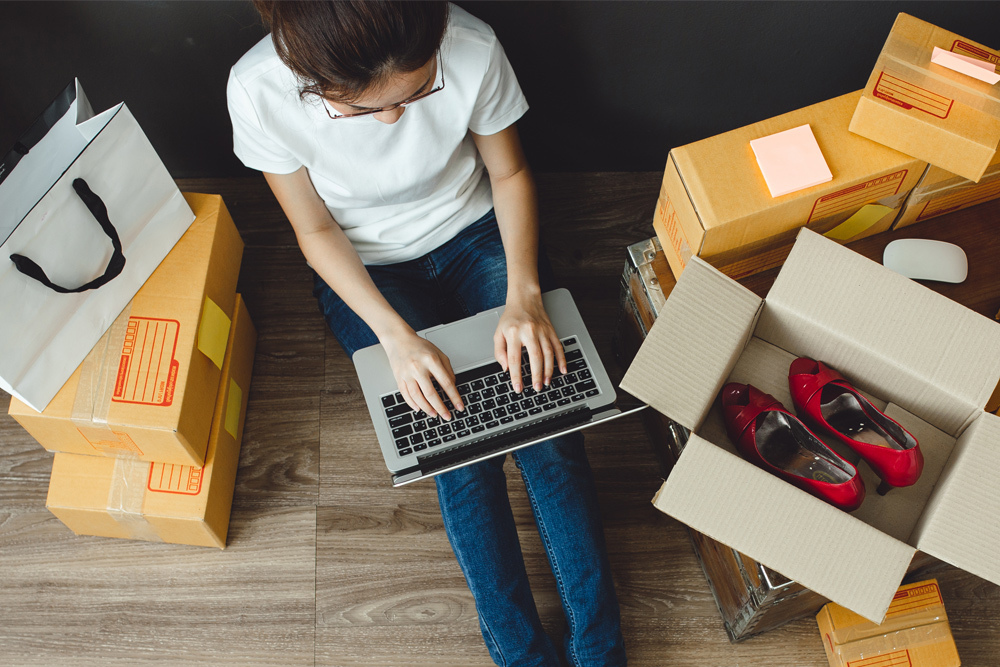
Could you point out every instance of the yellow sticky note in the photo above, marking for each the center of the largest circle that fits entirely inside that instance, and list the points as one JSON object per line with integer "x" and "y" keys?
{"x": 866, "y": 216}
{"x": 213, "y": 332}
{"x": 233, "y": 408}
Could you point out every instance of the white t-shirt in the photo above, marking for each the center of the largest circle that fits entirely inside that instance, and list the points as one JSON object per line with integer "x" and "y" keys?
{"x": 398, "y": 191}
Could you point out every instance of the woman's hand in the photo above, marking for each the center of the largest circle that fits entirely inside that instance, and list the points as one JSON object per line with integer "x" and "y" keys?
{"x": 526, "y": 324}
{"x": 416, "y": 364}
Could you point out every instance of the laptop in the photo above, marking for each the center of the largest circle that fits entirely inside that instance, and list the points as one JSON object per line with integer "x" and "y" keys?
{"x": 496, "y": 420}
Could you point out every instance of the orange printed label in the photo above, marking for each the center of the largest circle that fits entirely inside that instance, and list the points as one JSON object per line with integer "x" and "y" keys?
{"x": 147, "y": 370}
{"x": 894, "y": 659}
{"x": 172, "y": 478}
{"x": 973, "y": 51}
{"x": 961, "y": 199}
{"x": 668, "y": 216}
{"x": 857, "y": 195}
{"x": 98, "y": 440}
{"x": 904, "y": 94}
{"x": 904, "y": 602}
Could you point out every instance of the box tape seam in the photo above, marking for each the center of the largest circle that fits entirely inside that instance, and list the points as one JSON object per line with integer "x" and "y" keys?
{"x": 126, "y": 497}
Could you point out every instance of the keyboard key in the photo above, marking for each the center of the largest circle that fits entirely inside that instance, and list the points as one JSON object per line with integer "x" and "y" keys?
{"x": 568, "y": 391}
{"x": 557, "y": 381}
{"x": 397, "y": 410}
{"x": 504, "y": 376}
{"x": 489, "y": 392}
{"x": 421, "y": 414}
{"x": 463, "y": 389}
{"x": 573, "y": 355}
{"x": 584, "y": 386}
{"x": 520, "y": 415}
{"x": 401, "y": 431}
{"x": 388, "y": 401}
{"x": 535, "y": 411}
{"x": 475, "y": 408}
{"x": 401, "y": 419}
{"x": 434, "y": 443}
{"x": 420, "y": 426}
{"x": 506, "y": 420}
{"x": 491, "y": 381}
{"x": 417, "y": 438}
{"x": 449, "y": 438}
{"x": 593, "y": 392}
{"x": 500, "y": 412}
{"x": 401, "y": 443}
{"x": 444, "y": 429}
{"x": 463, "y": 433}
{"x": 478, "y": 385}
{"x": 563, "y": 401}
{"x": 549, "y": 406}
{"x": 584, "y": 374}
{"x": 493, "y": 424}
{"x": 431, "y": 433}
{"x": 570, "y": 341}
{"x": 472, "y": 421}
{"x": 578, "y": 397}
{"x": 478, "y": 429}
{"x": 419, "y": 448}
{"x": 502, "y": 399}
{"x": 433, "y": 421}
{"x": 577, "y": 365}
{"x": 529, "y": 390}
{"x": 541, "y": 399}
{"x": 474, "y": 397}
{"x": 404, "y": 452}
{"x": 489, "y": 404}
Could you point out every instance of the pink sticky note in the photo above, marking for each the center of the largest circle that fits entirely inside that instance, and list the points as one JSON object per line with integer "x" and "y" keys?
{"x": 979, "y": 69}
{"x": 791, "y": 160}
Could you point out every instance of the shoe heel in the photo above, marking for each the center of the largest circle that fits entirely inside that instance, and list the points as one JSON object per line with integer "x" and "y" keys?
{"x": 884, "y": 488}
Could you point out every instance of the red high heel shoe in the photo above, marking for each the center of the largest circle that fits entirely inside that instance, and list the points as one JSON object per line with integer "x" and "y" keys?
{"x": 825, "y": 398}
{"x": 773, "y": 439}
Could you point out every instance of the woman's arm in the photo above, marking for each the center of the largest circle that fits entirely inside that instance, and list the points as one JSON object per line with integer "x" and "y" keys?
{"x": 414, "y": 360}
{"x": 524, "y": 321}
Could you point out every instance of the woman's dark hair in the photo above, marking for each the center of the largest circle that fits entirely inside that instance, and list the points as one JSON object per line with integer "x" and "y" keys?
{"x": 339, "y": 49}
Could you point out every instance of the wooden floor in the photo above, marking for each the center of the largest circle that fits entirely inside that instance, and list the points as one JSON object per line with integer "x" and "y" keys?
{"x": 329, "y": 565}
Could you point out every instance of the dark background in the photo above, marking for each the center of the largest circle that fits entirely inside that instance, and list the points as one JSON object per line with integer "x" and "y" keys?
{"x": 612, "y": 85}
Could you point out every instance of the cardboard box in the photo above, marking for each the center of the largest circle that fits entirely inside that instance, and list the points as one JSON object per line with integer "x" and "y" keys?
{"x": 940, "y": 192}
{"x": 946, "y": 118}
{"x": 147, "y": 390}
{"x": 930, "y": 361}
{"x": 915, "y": 632}
{"x": 714, "y": 202}
{"x": 157, "y": 502}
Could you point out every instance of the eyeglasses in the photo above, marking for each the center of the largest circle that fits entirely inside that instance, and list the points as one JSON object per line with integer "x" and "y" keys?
{"x": 406, "y": 102}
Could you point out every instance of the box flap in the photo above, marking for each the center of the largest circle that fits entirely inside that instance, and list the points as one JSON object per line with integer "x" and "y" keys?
{"x": 820, "y": 547}
{"x": 693, "y": 345}
{"x": 891, "y": 336}
{"x": 959, "y": 524}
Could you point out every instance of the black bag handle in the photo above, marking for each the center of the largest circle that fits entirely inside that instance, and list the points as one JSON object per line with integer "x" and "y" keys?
{"x": 115, "y": 264}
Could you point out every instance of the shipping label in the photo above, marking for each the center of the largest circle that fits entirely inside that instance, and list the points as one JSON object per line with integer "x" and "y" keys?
{"x": 147, "y": 369}
{"x": 173, "y": 478}
{"x": 904, "y": 94}
{"x": 856, "y": 196}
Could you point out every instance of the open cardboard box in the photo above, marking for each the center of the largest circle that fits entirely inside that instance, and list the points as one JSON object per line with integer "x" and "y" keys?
{"x": 929, "y": 361}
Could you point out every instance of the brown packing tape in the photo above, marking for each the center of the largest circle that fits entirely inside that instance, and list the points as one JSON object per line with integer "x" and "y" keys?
{"x": 126, "y": 497}
{"x": 98, "y": 374}
{"x": 951, "y": 185}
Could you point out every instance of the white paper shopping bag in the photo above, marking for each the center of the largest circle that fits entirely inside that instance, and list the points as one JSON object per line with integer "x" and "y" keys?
{"x": 87, "y": 212}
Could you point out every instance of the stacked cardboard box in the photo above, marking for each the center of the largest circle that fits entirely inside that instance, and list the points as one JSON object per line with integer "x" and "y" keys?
{"x": 137, "y": 427}
{"x": 918, "y": 141}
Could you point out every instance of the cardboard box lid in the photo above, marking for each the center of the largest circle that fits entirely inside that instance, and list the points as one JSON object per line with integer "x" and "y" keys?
{"x": 824, "y": 549}
{"x": 959, "y": 524}
{"x": 679, "y": 374}
{"x": 923, "y": 351}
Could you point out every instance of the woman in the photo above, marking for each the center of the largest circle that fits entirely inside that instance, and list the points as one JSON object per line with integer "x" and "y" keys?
{"x": 373, "y": 123}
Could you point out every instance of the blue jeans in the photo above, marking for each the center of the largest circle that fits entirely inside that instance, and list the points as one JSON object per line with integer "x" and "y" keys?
{"x": 462, "y": 277}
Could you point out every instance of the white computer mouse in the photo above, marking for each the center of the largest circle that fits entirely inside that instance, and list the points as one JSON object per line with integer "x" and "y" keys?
{"x": 925, "y": 259}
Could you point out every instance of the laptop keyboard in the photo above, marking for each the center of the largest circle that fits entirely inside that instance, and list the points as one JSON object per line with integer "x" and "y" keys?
{"x": 490, "y": 404}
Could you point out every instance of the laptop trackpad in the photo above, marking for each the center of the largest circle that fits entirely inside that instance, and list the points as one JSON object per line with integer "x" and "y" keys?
{"x": 466, "y": 341}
